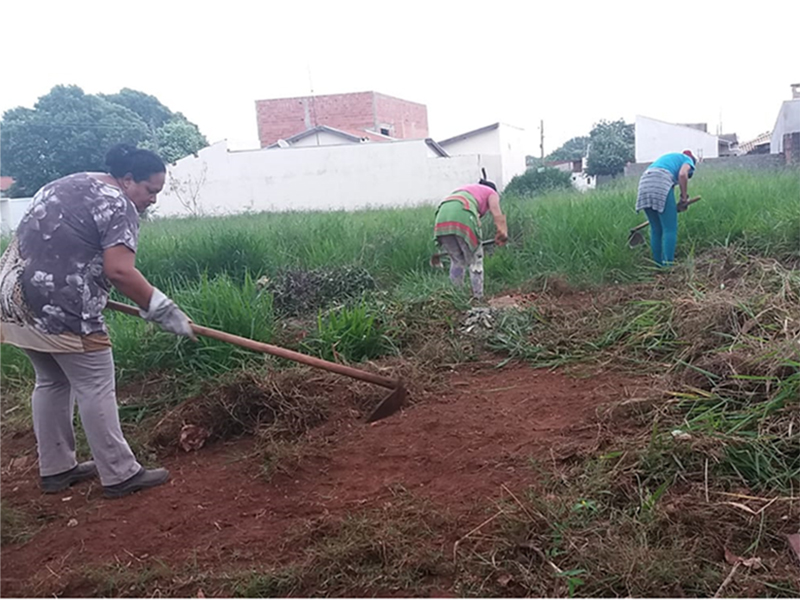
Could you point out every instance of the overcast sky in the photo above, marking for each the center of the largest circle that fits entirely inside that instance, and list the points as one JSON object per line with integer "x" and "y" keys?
{"x": 569, "y": 63}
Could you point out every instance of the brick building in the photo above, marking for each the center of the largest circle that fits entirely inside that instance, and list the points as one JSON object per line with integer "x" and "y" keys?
{"x": 354, "y": 113}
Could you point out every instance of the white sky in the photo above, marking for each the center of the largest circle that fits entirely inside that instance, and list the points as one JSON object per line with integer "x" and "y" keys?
{"x": 570, "y": 63}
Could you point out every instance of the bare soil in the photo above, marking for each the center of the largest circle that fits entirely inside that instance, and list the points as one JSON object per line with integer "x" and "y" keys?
{"x": 456, "y": 450}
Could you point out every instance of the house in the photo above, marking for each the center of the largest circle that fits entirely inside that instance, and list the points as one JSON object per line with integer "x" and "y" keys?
{"x": 728, "y": 144}
{"x": 758, "y": 145}
{"x": 577, "y": 169}
{"x": 787, "y": 124}
{"x": 498, "y": 139}
{"x": 655, "y": 138}
{"x": 360, "y": 114}
{"x": 568, "y": 166}
{"x": 322, "y": 135}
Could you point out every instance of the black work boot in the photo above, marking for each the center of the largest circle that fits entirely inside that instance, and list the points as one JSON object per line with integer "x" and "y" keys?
{"x": 52, "y": 484}
{"x": 146, "y": 478}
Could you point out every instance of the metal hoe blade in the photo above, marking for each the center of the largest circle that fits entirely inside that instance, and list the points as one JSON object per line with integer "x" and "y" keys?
{"x": 635, "y": 239}
{"x": 389, "y": 405}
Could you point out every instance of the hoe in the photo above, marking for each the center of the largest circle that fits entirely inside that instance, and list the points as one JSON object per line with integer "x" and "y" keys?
{"x": 635, "y": 237}
{"x": 386, "y": 407}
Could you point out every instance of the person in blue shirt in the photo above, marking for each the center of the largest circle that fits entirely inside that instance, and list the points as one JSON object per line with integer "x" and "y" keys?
{"x": 657, "y": 198}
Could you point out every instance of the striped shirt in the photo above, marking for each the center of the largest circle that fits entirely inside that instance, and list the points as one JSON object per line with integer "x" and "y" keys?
{"x": 654, "y": 186}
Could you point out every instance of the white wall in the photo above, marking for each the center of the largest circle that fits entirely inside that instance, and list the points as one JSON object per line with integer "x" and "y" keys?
{"x": 583, "y": 182}
{"x": 505, "y": 141}
{"x": 788, "y": 122}
{"x": 389, "y": 174}
{"x": 512, "y": 152}
{"x": 486, "y": 143}
{"x": 11, "y": 212}
{"x": 655, "y": 138}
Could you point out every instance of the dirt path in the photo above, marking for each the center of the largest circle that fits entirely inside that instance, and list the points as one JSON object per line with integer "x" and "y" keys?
{"x": 455, "y": 450}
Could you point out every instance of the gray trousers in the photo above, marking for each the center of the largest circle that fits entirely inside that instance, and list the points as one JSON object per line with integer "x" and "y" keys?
{"x": 88, "y": 378}
{"x": 462, "y": 258}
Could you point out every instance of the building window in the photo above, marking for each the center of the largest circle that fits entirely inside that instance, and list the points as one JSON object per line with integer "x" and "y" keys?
{"x": 384, "y": 131}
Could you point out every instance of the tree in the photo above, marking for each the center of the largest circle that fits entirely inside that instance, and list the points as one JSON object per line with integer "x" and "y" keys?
{"x": 178, "y": 138}
{"x": 66, "y": 131}
{"x": 611, "y": 147}
{"x": 538, "y": 181}
{"x": 533, "y": 162}
{"x": 172, "y": 135}
{"x": 69, "y": 131}
{"x": 573, "y": 149}
{"x": 148, "y": 107}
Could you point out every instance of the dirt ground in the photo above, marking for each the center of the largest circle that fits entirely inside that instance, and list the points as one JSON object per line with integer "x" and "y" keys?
{"x": 457, "y": 450}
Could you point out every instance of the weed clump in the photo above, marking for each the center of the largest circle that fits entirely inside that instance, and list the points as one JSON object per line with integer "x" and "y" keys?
{"x": 298, "y": 291}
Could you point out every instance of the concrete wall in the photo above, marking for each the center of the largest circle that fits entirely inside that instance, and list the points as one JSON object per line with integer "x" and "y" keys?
{"x": 512, "y": 152}
{"x": 752, "y": 162}
{"x": 349, "y": 177}
{"x": 486, "y": 143}
{"x": 505, "y": 141}
{"x": 11, "y": 212}
{"x": 655, "y": 138}
{"x": 284, "y": 117}
{"x": 788, "y": 122}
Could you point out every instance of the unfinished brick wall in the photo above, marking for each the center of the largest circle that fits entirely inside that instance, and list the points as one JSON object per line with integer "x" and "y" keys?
{"x": 407, "y": 120}
{"x": 285, "y": 117}
{"x": 791, "y": 148}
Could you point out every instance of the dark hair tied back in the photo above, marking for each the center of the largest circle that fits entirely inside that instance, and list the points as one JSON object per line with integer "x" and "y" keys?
{"x": 488, "y": 183}
{"x": 141, "y": 164}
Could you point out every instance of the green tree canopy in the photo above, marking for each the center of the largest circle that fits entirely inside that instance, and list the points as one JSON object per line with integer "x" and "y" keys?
{"x": 68, "y": 131}
{"x": 573, "y": 149}
{"x": 612, "y": 146}
{"x": 537, "y": 181}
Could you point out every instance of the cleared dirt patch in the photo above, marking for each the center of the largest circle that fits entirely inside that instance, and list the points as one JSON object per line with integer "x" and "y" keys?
{"x": 456, "y": 450}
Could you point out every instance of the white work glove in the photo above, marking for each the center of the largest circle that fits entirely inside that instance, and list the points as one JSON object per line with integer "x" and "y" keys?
{"x": 166, "y": 313}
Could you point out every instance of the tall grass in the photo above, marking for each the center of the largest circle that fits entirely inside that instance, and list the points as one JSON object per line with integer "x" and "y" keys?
{"x": 209, "y": 265}
{"x": 141, "y": 347}
{"x": 579, "y": 236}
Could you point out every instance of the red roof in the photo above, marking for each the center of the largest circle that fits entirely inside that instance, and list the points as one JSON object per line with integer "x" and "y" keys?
{"x": 5, "y": 183}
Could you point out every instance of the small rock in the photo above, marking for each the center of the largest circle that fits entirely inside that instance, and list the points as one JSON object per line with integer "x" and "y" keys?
{"x": 681, "y": 435}
{"x": 72, "y": 523}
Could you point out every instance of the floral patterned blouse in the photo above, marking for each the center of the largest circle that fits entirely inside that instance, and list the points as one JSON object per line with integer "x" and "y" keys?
{"x": 52, "y": 286}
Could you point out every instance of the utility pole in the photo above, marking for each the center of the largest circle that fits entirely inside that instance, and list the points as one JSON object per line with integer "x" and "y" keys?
{"x": 313, "y": 103}
{"x": 541, "y": 139}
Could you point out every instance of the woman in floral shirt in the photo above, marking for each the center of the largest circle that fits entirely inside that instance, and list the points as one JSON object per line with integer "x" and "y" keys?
{"x": 78, "y": 237}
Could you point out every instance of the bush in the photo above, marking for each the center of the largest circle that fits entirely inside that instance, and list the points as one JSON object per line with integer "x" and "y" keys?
{"x": 349, "y": 333}
{"x": 538, "y": 181}
{"x": 298, "y": 291}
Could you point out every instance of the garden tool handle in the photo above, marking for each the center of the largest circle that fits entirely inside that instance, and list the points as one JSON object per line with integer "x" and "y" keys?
{"x": 311, "y": 361}
{"x": 646, "y": 223}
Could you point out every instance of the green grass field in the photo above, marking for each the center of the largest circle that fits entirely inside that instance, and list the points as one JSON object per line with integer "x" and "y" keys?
{"x": 720, "y": 332}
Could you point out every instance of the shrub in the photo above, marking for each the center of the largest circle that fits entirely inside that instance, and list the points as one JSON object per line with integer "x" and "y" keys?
{"x": 538, "y": 181}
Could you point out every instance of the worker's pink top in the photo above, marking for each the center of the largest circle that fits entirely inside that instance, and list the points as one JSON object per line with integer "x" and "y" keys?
{"x": 481, "y": 194}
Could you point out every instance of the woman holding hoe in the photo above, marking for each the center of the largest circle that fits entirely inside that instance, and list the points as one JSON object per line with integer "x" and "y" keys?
{"x": 78, "y": 237}
{"x": 657, "y": 198}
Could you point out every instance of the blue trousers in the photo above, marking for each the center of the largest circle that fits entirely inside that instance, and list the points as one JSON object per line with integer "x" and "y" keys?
{"x": 664, "y": 231}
